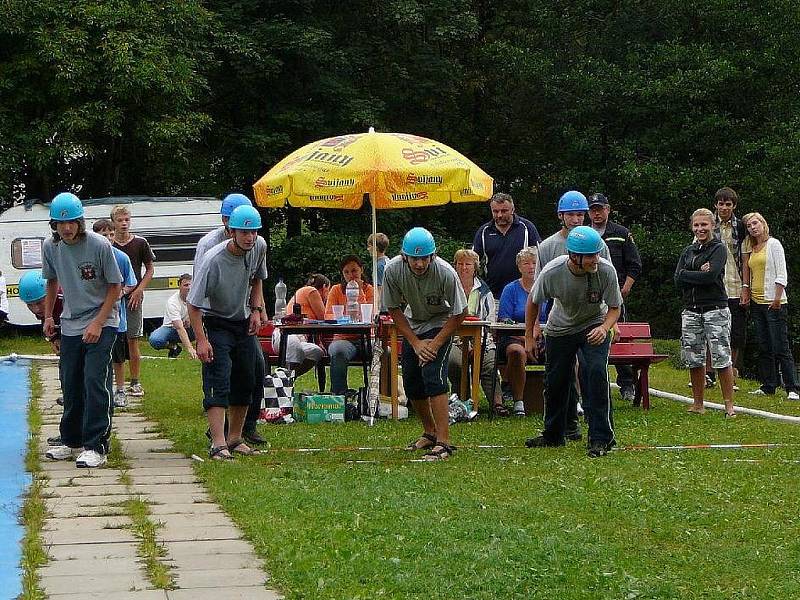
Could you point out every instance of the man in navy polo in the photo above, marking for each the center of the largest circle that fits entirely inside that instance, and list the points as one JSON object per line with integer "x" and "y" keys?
{"x": 498, "y": 242}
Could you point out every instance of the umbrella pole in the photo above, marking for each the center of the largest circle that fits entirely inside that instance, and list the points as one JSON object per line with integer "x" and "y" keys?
{"x": 375, "y": 299}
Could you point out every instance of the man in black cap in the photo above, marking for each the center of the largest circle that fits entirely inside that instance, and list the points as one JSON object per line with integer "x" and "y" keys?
{"x": 626, "y": 260}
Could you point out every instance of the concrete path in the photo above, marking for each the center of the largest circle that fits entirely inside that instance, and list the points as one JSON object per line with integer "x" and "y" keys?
{"x": 87, "y": 535}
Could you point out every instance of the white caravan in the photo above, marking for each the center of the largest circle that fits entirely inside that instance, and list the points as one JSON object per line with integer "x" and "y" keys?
{"x": 172, "y": 226}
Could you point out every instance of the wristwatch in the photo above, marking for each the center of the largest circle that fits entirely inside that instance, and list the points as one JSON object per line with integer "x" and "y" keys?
{"x": 257, "y": 308}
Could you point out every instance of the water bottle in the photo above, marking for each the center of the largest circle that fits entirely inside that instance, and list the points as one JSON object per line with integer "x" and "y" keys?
{"x": 280, "y": 299}
{"x": 353, "y": 309}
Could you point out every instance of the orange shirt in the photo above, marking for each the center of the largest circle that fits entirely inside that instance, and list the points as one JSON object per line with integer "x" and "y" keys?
{"x": 337, "y": 296}
{"x": 303, "y": 298}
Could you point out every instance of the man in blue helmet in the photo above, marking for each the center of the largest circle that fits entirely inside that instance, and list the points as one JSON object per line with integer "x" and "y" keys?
{"x": 214, "y": 237}
{"x": 586, "y": 304}
{"x": 572, "y": 210}
{"x": 82, "y": 263}
{"x": 221, "y": 233}
{"x": 225, "y": 305}
{"x": 435, "y": 306}
{"x": 32, "y": 291}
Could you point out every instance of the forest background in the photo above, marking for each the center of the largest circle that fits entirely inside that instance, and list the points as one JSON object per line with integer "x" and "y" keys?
{"x": 657, "y": 104}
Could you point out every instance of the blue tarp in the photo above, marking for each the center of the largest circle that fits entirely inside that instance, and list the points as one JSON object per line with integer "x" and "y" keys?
{"x": 14, "y": 396}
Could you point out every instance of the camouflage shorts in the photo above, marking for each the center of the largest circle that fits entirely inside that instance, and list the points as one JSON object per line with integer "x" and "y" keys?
{"x": 713, "y": 328}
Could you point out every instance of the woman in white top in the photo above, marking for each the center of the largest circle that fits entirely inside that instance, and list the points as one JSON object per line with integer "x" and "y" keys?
{"x": 768, "y": 306}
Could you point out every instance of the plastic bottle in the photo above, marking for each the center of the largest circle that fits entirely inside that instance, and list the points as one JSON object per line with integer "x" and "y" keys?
{"x": 280, "y": 299}
{"x": 352, "y": 308}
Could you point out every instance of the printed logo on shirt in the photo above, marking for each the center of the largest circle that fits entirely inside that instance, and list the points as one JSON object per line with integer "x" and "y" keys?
{"x": 434, "y": 300}
{"x": 88, "y": 271}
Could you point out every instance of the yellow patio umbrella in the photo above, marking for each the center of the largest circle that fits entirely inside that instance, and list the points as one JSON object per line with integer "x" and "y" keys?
{"x": 396, "y": 170}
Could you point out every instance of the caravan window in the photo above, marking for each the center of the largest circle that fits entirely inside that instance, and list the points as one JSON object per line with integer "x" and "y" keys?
{"x": 26, "y": 253}
{"x": 173, "y": 246}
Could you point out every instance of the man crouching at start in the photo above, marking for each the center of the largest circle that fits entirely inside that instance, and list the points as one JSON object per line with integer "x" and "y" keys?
{"x": 586, "y": 306}
{"x": 436, "y": 306}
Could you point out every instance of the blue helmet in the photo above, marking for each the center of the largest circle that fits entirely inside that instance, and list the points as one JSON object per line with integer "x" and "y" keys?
{"x": 66, "y": 207}
{"x": 32, "y": 287}
{"x": 584, "y": 240}
{"x": 418, "y": 242}
{"x": 244, "y": 217}
{"x": 573, "y": 201}
{"x": 233, "y": 201}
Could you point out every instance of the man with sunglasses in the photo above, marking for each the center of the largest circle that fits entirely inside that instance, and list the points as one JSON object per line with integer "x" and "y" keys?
{"x": 587, "y": 301}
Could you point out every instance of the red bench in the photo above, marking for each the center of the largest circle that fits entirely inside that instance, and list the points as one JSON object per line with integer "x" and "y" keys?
{"x": 633, "y": 346}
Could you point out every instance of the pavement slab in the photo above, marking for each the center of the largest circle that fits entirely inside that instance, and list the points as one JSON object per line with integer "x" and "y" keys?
{"x": 92, "y": 552}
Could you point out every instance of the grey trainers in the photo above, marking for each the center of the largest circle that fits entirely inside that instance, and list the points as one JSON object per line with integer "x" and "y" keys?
{"x": 135, "y": 390}
{"x": 89, "y": 459}
{"x": 519, "y": 408}
{"x": 120, "y": 399}
{"x": 60, "y": 453}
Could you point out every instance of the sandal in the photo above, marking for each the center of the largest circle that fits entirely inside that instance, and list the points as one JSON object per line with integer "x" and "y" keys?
{"x": 731, "y": 415}
{"x": 216, "y": 453}
{"x": 501, "y": 410}
{"x": 423, "y": 442}
{"x": 440, "y": 451}
{"x": 696, "y": 411}
{"x": 239, "y": 447}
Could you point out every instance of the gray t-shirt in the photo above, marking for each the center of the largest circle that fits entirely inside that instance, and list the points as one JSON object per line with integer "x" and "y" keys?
{"x": 207, "y": 242}
{"x": 580, "y": 301}
{"x": 556, "y": 245}
{"x": 83, "y": 271}
{"x": 431, "y": 299}
{"x": 221, "y": 284}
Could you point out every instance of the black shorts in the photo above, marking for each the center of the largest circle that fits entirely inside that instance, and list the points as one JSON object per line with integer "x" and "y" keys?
{"x": 738, "y": 324}
{"x": 231, "y": 379}
{"x": 502, "y": 346}
{"x": 119, "y": 351}
{"x": 431, "y": 379}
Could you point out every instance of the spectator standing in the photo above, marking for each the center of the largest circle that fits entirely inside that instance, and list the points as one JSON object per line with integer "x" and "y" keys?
{"x": 176, "y": 328}
{"x": 435, "y": 307}
{"x": 499, "y": 241}
{"x": 733, "y": 232}
{"x": 32, "y": 291}
{"x": 119, "y": 351}
{"x": 628, "y": 264}
{"x": 766, "y": 261}
{"x": 381, "y": 243}
{"x": 706, "y": 319}
{"x": 586, "y": 298}
{"x": 82, "y": 263}
{"x": 225, "y": 302}
{"x": 142, "y": 257}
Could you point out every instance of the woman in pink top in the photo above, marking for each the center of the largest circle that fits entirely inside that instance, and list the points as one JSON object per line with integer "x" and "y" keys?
{"x": 302, "y": 355}
{"x": 345, "y": 348}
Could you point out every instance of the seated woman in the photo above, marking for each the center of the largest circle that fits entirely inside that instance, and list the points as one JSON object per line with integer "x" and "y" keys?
{"x": 302, "y": 355}
{"x": 480, "y": 303}
{"x": 512, "y": 308}
{"x": 346, "y": 347}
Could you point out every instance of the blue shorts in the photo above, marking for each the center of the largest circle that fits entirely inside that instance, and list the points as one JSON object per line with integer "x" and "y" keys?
{"x": 431, "y": 379}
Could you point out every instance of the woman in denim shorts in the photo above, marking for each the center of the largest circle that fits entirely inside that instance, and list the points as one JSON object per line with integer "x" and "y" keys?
{"x": 706, "y": 318}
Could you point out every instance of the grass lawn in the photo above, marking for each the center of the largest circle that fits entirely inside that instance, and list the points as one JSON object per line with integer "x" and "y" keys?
{"x": 509, "y": 522}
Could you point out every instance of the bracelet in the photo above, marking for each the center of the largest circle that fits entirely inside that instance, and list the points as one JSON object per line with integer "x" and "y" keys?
{"x": 257, "y": 308}
{"x": 746, "y": 285}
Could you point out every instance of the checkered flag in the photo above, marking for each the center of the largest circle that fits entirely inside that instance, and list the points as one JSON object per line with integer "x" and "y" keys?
{"x": 278, "y": 389}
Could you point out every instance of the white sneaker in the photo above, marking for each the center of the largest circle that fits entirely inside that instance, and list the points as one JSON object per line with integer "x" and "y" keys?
{"x": 519, "y": 408}
{"x": 60, "y": 453}
{"x": 758, "y": 392}
{"x": 735, "y": 388}
{"x": 793, "y": 396}
{"x": 580, "y": 409}
{"x": 135, "y": 390}
{"x": 89, "y": 459}
{"x": 120, "y": 399}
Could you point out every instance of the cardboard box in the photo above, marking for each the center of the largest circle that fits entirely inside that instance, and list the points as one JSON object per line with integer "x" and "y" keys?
{"x": 318, "y": 408}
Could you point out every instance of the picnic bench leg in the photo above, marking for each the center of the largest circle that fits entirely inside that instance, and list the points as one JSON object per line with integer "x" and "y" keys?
{"x": 477, "y": 354}
{"x": 644, "y": 387}
{"x": 463, "y": 387}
